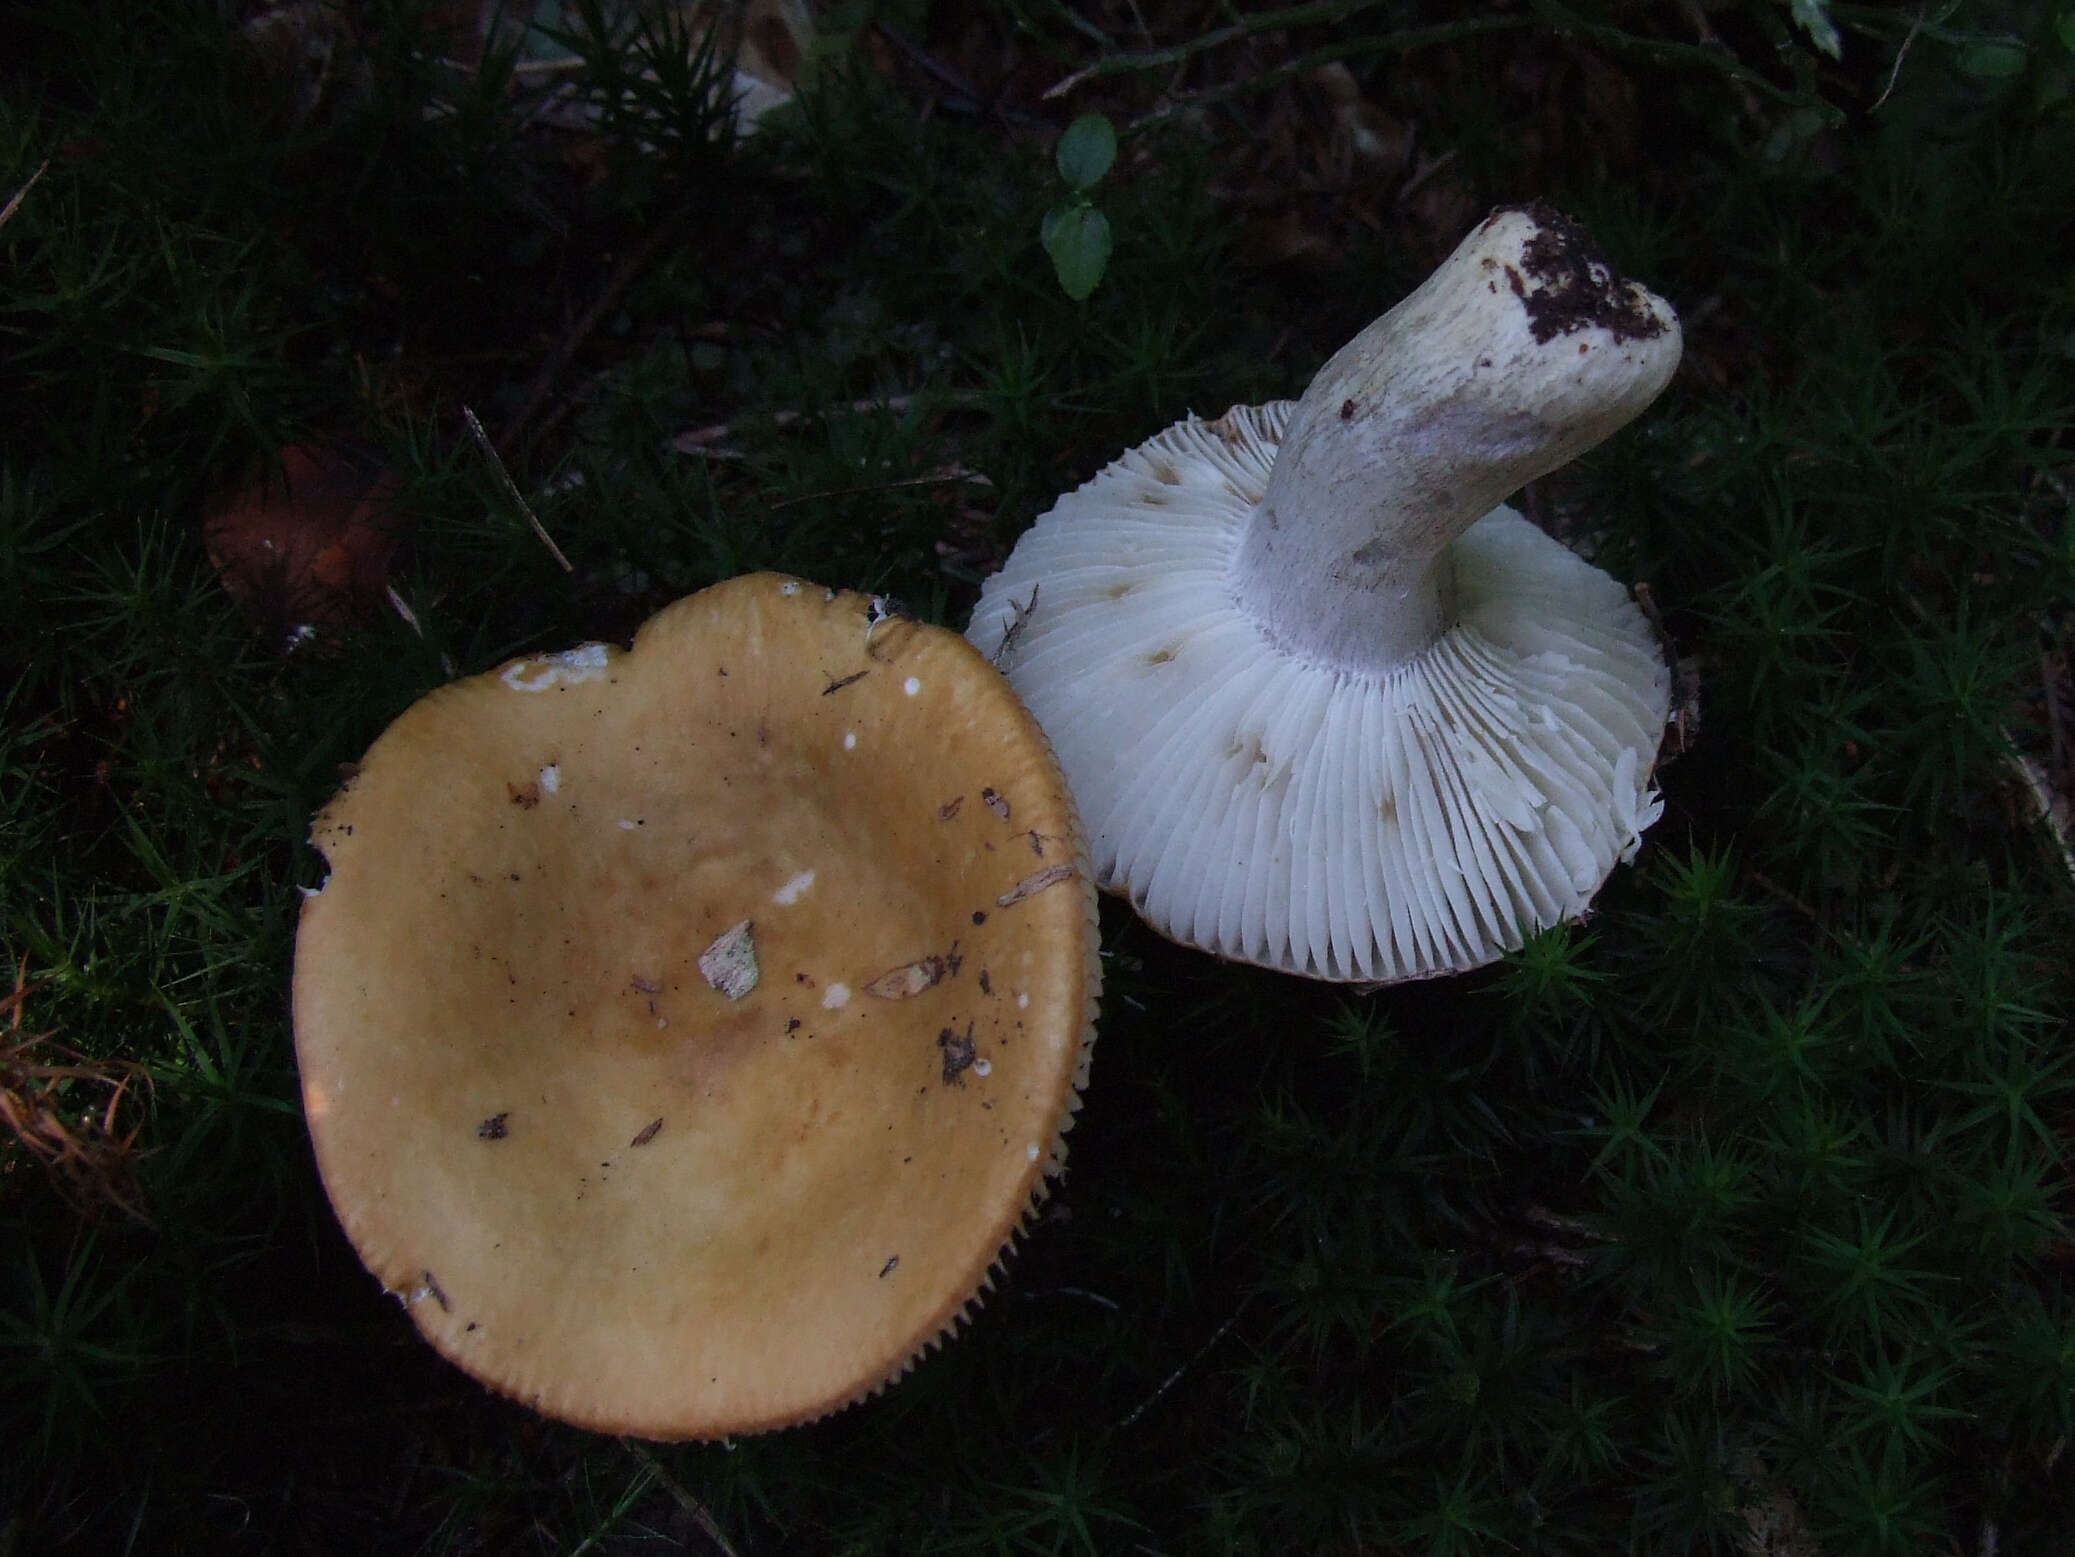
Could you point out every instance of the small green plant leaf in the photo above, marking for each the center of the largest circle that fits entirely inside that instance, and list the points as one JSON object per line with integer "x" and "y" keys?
{"x": 1813, "y": 18}
{"x": 1086, "y": 151}
{"x": 1993, "y": 61}
{"x": 1078, "y": 239}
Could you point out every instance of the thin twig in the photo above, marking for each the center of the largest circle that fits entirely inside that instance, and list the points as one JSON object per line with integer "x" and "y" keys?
{"x": 565, "y": 65}
{"x": 1081, "y": 24}
{"x": 1425, "y": 171}
{"x": 1319, "y": 11}
{"x": 1561, "y": 18}
{"x": 970, "y": 476}
{"x": 1138, "y": 17}
{"x": 15, "y": 199}
{"x": 1175, "y": 1377}
{"x": 1019, "y": 618}
{"x": 631, "y": 264}
{"x": 700, "y": 440}
{"x": 678, "y": 1490}
{"x": 1350, "y": 48}
{"x": 1713, "y": 40}
{"x": 946, "y": 77}
{"x": 928, "y": 63}
{"x": 490, "y": 451}
{"x": 697, "y": 440}
{"x": 2047, "y": 806}
{"x": 410, "y": 620}
{"x": 396, "y": 604}
{"x": 1895, "y": 71}
{"x": 1789, "y": 899}
{"x": 2057, "y": 675}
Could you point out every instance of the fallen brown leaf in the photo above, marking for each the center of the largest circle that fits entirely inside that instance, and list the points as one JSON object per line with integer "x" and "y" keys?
{"x": 306, "y": 548}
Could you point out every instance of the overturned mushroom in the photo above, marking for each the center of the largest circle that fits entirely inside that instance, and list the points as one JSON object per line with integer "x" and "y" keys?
{"x": 675, "y": 1044}
{"x": 1324, "y": 706}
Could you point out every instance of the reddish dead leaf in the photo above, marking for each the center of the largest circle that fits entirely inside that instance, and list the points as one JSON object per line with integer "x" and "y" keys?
{"x": 307, "y": 550}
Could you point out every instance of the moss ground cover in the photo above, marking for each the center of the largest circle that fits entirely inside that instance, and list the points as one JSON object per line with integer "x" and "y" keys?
{"x": 1746, "y": 1200}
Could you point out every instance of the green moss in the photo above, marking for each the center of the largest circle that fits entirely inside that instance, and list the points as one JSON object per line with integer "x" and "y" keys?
{"x": 1755, "y": 1185}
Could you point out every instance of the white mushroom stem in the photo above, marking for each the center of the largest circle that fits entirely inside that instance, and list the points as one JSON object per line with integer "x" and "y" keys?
{"x": 1520, "y": 353}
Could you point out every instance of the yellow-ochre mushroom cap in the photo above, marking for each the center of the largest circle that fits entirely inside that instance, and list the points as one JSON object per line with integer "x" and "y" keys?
{"x": 686, "y": 1031}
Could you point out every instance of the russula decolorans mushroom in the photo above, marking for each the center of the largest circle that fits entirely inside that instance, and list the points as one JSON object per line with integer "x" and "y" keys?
{"x": 685, "y": 1032}
{"x": 1324, "y": 705}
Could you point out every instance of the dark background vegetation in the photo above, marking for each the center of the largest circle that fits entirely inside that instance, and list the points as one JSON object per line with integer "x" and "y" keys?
{"x": 1739, "y": 1211}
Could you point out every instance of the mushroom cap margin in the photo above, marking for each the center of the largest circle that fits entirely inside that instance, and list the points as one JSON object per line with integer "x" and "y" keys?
{"x": 497, "y": 996}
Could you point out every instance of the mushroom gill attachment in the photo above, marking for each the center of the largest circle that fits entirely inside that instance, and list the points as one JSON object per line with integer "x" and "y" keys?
{"x": 685, "y": 1032}
{"x": 1326, "y": 705}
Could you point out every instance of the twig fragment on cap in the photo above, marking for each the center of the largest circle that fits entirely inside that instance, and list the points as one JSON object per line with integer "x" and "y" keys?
{"x": 730, "y": 963}
{"x": 1031, "y": 885}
